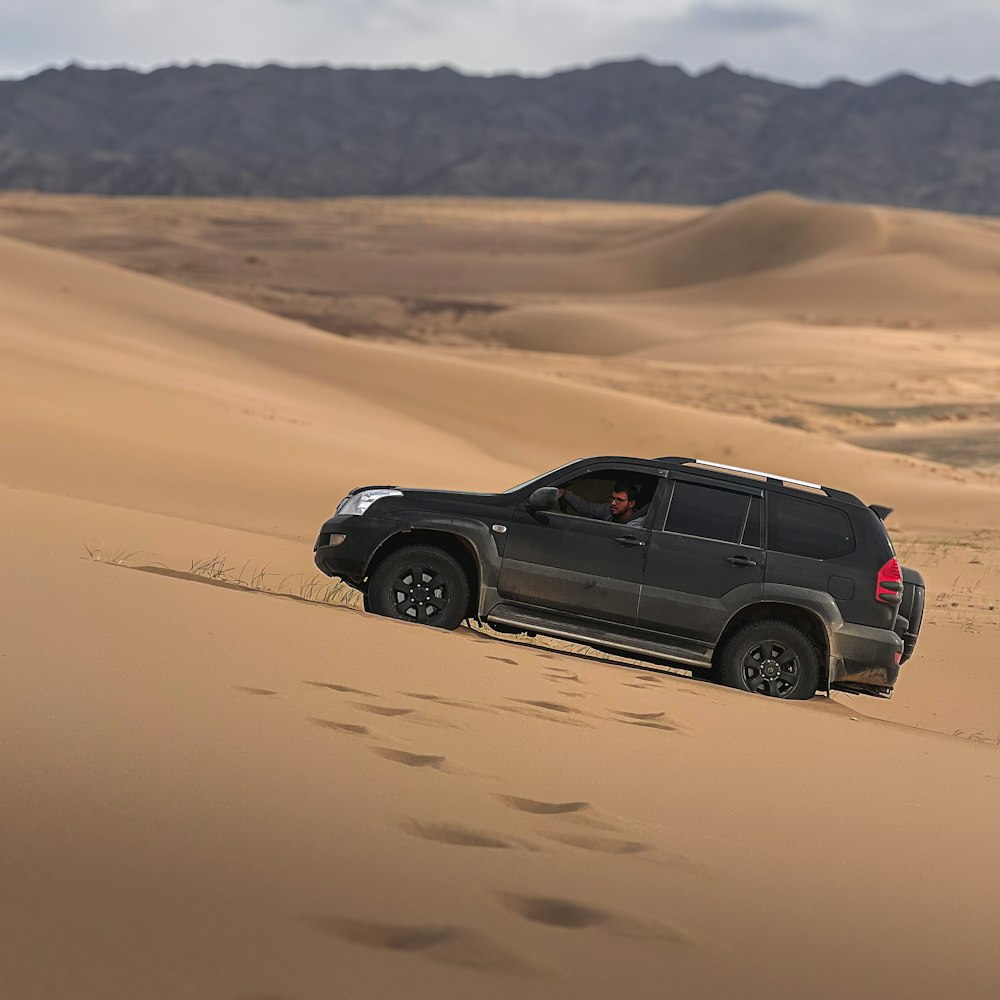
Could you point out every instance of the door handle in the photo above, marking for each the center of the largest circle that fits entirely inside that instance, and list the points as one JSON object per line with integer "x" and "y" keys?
{"x": 630, "y": 540}
{"x": 741, "y": 561}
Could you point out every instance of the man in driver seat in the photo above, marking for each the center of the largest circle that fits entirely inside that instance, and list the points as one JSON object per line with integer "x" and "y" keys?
{"x": 620, "y": 506}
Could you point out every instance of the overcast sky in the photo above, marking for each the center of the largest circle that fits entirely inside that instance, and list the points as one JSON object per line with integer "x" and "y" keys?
{"x": 805, "y": 41}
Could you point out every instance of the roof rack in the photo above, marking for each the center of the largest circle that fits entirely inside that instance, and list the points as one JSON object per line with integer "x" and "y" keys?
{"x": 770, "y": 476}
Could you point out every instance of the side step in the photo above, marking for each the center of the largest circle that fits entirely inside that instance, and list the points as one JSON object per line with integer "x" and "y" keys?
{"x": 598, "y": 636}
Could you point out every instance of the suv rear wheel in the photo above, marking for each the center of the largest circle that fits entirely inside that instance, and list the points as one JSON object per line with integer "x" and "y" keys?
{"x": 771, "y": 658}
{"x": 422, "y": 584}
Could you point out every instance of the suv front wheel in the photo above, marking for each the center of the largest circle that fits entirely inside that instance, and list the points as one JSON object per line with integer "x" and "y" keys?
{"x": 422, "y": 584}
{"x": 771, "y": 658}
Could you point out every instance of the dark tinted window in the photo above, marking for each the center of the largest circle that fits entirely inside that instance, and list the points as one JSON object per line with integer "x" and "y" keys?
{"x": 751, "y": 533}
{"x": 806, "y": 528}
{"x": 707, "y": 512}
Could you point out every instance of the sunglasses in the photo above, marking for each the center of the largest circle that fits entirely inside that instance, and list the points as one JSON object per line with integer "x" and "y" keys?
{"x": 615, "y": 499}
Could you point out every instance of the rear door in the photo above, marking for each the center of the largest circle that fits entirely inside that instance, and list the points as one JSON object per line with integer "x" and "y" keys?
{"x": 819, "y": 546}
{"x": 706, "y": 559}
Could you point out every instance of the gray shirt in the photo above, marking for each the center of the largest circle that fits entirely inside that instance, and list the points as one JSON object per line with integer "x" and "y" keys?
{"x": 599, "y": 511}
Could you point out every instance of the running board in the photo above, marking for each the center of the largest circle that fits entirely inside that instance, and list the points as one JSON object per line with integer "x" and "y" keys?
{"x": 529, "y": 621}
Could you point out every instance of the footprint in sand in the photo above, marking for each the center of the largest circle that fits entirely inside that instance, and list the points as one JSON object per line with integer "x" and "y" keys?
{"x": 410, "y": 759}
{"x": 342, "y": 688}
{"x": 552, "y": 706}
{"x": 461, "y": 836}
{"x": 540, "y": 808}
{"x": 644, "y": 681}
{"x": 557, "y": 673}
{"x": 381, "y": 709}
{"x": 601, "y": 845}
{"x": 341, "y": 727}
{"x": 570, "y": 915}
{"x": 450, "y": 702}
{"x": 438, "y": 943}
{"x": 576, "y": 813}
{"x": 550, "y": 711}
{"x": 408, "y": 713}
{"x": 646, "y": 853}
{"x": 249, "y": 690}
{"x": 554, "y": 912}
{"x": 648, "y": 720}
{"x": 503, "y": 659}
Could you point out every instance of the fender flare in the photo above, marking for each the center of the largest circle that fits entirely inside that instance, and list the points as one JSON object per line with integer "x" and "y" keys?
{"x": 476, "y": 538}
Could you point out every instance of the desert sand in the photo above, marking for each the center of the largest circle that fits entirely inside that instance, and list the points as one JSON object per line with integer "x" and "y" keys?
{"x": 221, "y": 779}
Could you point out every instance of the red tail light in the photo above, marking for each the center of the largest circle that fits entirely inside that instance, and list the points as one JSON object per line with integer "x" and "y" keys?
{"x": 889, "y": 584}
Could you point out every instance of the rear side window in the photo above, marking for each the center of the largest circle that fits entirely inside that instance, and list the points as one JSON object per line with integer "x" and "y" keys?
{"x": 805, "y": 528}
{"x": 707, "y": 512}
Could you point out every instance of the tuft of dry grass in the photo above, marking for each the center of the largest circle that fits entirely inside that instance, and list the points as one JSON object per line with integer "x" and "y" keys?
{"x": 216, "y": 568}
{"x": 116, "y": 557}
{"x": 977, "y": 736}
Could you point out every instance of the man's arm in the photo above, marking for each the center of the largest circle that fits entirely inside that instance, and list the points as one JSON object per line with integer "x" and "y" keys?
{"x": 585, "y": 507}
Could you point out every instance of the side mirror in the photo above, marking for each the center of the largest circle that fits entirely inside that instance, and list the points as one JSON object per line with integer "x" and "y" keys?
{"x": 544, "y": 498}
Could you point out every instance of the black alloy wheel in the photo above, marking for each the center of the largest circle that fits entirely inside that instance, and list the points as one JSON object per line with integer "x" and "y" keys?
{"x": 420, "y": 584}
{"x": 772, "y": 658}
{"x": 770, "y": 668}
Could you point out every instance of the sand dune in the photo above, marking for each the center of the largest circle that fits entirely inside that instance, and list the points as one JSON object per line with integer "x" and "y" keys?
{"x": 774, "y": 258}
{"x": 242, "y": 419}
{"x": 746, "y": 237}
{"x": 213, "y": 790}
{"x": 770, "y": 289}
{"x": 499, "y": 251}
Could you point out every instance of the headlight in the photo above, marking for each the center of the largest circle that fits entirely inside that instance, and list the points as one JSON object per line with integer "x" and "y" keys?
{"x": 360, "y": 502}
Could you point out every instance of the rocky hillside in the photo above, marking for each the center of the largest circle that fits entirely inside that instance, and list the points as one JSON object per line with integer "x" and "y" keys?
{"x": 623, "y": 131}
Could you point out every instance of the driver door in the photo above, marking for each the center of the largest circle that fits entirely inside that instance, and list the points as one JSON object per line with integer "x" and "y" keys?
{"x": 575, "y": 565}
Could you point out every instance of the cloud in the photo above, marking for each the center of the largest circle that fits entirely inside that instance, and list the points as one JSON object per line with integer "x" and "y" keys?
{"x": 858, "y": 39}
{"x": 376, "y": 14}
{"x": 752, "y": 18}
{"x": 801, "y": 40}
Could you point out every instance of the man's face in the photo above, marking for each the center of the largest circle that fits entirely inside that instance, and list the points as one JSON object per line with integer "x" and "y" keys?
{"x": 621, "y": 506}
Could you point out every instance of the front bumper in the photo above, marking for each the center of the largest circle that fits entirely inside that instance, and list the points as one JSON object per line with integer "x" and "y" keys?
{"x": 865, "y": 660}
{"x": 349, "y": 560}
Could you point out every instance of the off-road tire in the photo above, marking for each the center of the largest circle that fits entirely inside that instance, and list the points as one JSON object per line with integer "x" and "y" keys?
{"x": 772, "y": 658}
{"x": 420, "y": 584}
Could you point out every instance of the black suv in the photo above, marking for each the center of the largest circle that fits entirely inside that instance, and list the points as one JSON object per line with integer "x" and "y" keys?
{"x": 770, "y": 584}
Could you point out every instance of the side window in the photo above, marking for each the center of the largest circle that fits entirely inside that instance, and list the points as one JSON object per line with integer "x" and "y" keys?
{"x": 589, "y": 496}
{"x": 806, "y": 528}
{"x": 707, "y": 512}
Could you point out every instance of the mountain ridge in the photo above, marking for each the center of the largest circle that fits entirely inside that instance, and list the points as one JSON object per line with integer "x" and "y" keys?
{"x": 627, "y": 131}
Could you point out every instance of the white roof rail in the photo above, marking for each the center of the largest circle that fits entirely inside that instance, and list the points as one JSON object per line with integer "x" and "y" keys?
{"x": 757, "y": 472}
